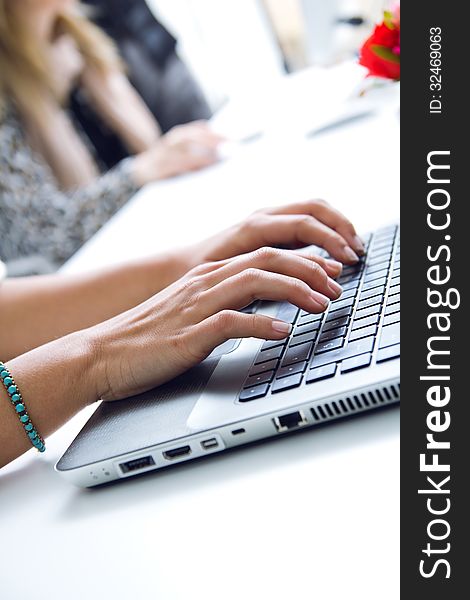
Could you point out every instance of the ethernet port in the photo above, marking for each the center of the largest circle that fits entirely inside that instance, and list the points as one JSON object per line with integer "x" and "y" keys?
{"x": 289, "y": 421}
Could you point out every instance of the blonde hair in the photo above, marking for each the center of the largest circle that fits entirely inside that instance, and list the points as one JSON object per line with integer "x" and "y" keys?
{"x": 24, "y": 72}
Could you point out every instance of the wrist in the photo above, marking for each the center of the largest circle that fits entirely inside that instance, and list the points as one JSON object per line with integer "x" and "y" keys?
{"x": 149, "y": 166}
{"x": 56, "y": 380}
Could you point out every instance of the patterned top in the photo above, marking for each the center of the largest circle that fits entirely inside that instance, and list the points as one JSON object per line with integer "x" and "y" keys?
{"x": 36, "y": 217}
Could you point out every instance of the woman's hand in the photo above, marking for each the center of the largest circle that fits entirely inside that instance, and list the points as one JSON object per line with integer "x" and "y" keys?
{"x": 293, "y": 226}
{"x": 184, "y": 148}
{"x": 180, "y": 326}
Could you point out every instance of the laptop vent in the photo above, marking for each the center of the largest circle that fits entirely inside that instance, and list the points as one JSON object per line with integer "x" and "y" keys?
{"x": 355, "y": 403}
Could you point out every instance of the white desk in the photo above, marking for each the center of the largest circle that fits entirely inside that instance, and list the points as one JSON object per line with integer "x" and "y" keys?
{"x": 311, "y": 516}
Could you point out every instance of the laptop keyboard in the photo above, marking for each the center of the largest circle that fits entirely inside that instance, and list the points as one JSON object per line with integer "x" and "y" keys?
{"x": 359, "y": 329}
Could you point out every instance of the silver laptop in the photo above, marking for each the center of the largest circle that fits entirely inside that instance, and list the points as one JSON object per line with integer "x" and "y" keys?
{"x": 334, "y": 365}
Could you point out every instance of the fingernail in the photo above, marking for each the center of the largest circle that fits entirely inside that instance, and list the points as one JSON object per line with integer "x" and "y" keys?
{"x": 358, "y": 245}
{"x": 282, "y": 327}
{"x": 320, "y": 299}
{"x": 335, "y": 265}
{"x": 350, "y": 254}
{"x": 335, "y": 288}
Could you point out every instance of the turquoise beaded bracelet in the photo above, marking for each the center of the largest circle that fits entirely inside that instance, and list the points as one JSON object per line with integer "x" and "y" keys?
{"x": 16, "y": 399}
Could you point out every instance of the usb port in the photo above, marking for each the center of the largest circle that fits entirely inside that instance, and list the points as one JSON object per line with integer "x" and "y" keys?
{"x": 177, "y": 452}
{"x": 238, "y": 431}
{"x": 290, "y": 421}
{"x": 208, "y": 444}
{"x": 136, "y": 464}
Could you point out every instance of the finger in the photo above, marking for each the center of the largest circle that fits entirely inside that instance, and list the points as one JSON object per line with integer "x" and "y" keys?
{"x": 195, "y": 159}
{"x": 204, "y": 126}
{"x": 204, "y": 137}
{"x": 324, "y": 212}
{"x": 254, "y": 284}
{"x": 229, "y": 324}
{"x": 332, "y": 267}
{"x": 335, "y": 219}
{"x": 303, "y": 230}
{"x": 283, "y": 262}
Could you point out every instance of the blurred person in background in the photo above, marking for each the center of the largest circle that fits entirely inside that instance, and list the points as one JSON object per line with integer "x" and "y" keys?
{"x": 53, "y": 193}
{"x": 155, "y": 70}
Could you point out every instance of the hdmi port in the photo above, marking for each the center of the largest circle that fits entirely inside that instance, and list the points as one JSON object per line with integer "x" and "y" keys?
{"x": 177, "y": 452}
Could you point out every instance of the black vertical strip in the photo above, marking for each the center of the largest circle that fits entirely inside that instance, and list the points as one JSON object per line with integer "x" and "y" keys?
{"x": 424, "y": 132}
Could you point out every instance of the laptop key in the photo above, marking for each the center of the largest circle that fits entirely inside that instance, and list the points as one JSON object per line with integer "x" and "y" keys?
{"x": 372, "y": 292}
{"x": 394, "y": 308}
{"x": 269, "y": 354}
{"x": 304, "y": 313}
{"x": 286, "y": 383}
{"x": 291, "y": 369}
{"x": 348, "y": 293}
{"x": 356, "y": 362}
{"x": 372, "y": 262}
{"x": 370, "y": 302}
{"x": 342, "y": 312}
{"x": 378, "y": 267}
{"x": 388, "y": 353}
{"x": 310, "y": 336}
{"x": 349, "y": 279}
{"x": 338, "y": 304}
{"x": 376, "y": 275}
{"x": 350, "y": 285}
{"x": 320, "y": 373}
{"x": 352, "y": 269}
{"x": 393, "y": 318}
{"x": 266, "y": 366}
{"x": 273, "y": 344}
{"x": 393, "y": 299}
{"x": 328, "y": 345}
{"x": 253, "y": 380}
{"x": 307, "y": 328}
{"x": 351, "y": 349}
{"x": 258, "y": 391}
{"x": 331, "y": 334}
{"x": 362, "y": 323}
{"x": 309, "y": 318}
{"x": 362, "y": 333}
{"x": 367, "y": 312}
{"x": 390, "y": 335}
{"x": 297, "y": 354}
{"x": 335, "y": 323}
{"x": 287, "y": 312}
{"x": 395, "y": 289}
{"x": 374, "y": 283}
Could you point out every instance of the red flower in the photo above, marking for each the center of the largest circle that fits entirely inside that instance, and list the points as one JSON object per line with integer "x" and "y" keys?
{"x": 381, "y": 52}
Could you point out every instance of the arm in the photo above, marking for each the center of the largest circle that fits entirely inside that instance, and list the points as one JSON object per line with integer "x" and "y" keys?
{"x": 36, "y": 310}
{"x": 121, "y": 108}
{"x": 156, "y": 340}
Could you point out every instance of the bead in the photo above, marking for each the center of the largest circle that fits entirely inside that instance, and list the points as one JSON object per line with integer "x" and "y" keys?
{"x": 15, "y": 396}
